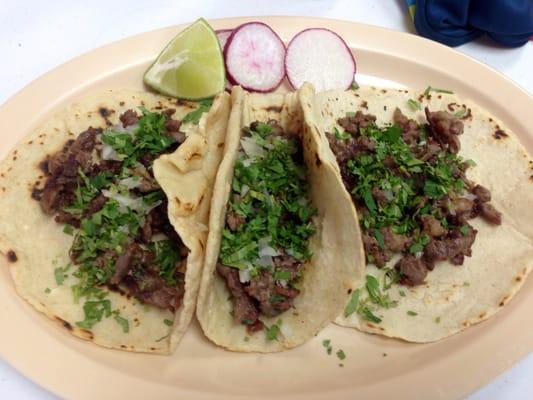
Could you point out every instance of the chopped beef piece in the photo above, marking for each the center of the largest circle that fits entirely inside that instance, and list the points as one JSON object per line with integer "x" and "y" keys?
{"x": 147, "y": 185}
{"x": 157, "y": 294}
{"x": 463, "y": 207}
{"x": 450, "y": 248}
{"x": 234, "y": 220}
{"x": 96, "y": 205}
{"x": 428, "y": 151}
{"x": 364, "y": 143}
{"x": 394, "y": 241}
{"x": 351, "y": 124}
{"x": 146, "y": 229}
{"x": 490, "y": 214}
{"x": 373, "y": 252}
{"x": 410, "y": 128}
{"x": 412, "y": 270}
{"x": 178, "y": 136}
{"x": 128, "y": 118}
{"x": 432, "y": 226}
{"x": 288, "y": 264}
{"x": 244, "y": 310}
{"x": 124, "y": 264}
{"x": 381, "y": 196}
{"x": 344, "y": 150}
{"x": 172, "y": 125}
{"x": 63, "y": 168}
{"x": 445, "y": 128}
{"x": 482, "y": 193}
{"x": 263, "y": 289}
{"x": 64, "y": 217}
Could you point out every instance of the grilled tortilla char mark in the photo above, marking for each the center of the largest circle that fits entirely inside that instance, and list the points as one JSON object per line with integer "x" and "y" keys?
{"x": 434, "y": 225}
{"x": 136, "y": 269}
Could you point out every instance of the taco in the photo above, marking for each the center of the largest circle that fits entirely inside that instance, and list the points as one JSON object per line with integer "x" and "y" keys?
{"x": 104, "y": 211}
{"x": 443, "y": 192}
{"x": 280, "y": 259}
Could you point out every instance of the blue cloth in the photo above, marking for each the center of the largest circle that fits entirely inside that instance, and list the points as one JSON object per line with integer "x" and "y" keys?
{"x": 454, "y": 22}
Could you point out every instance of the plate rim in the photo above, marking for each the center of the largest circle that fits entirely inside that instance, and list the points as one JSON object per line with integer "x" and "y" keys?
{"x": 68, "y": 389}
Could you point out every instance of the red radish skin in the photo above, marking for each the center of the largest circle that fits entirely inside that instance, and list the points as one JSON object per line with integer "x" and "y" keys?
{"x": 223, "y": 35}
{"x": 255, "y": 57}
{"x": 321, "y": 57}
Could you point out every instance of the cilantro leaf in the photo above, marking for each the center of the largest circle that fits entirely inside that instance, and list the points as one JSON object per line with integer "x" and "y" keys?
{"x": 194, "y": 116}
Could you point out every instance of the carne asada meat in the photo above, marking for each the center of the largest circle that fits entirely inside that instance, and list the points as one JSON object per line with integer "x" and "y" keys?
{"x": 267, "y": 225}
{"x": 87, "y": 192}
{"x": 411, "y": 191}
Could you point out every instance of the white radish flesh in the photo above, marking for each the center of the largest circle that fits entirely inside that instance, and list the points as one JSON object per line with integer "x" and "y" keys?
{"x": 255, "y": 57}
{"x": 320, "y": 57}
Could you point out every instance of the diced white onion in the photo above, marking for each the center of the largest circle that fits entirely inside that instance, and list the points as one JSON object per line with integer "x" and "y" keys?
{"x": 244, "y": 190}
{"x": 130, "y": 183}
{"x": 244, "y": 275}
{"x": 247, "y": 162}
{"x": 268, "y": 251}
{"x": 265, "y": 261}
{"x": 470, "y": 196}
{"x": 109, "y": 153}
{"x": 158, "y": 237}
{"x": 251, "y": 148}
{"x": 133, "y": 203}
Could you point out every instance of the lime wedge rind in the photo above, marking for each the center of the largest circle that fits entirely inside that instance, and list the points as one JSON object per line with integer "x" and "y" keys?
{"x": 191, "y": 66}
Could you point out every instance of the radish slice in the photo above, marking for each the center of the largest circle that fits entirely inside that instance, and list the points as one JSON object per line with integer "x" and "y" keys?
{"x": 254, "y": 57}
{"x": 223, "y": 35}
{"x": 319, "y": 56}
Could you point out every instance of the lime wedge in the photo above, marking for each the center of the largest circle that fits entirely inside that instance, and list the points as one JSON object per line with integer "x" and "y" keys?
{"x": 191, "y": 66}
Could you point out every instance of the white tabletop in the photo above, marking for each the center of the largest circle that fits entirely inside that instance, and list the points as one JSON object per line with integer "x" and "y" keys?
{"x": 36, "y": 36}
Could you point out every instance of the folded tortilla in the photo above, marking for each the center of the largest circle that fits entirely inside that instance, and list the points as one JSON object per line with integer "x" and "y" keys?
{"x": 336, "y": 265}
{"x": 453, "y": 297}
{"x": 35, "y": 245}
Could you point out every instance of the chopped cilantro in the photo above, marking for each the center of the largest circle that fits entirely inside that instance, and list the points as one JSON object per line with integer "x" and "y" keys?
{"x": 60, "y": 274}
{"x": 276, "y": 206}
{"x": 437, "y": 320}
{"x": 273, "y": 331}
{"x": 47, "y": 290}
{"x": 168, "y": 322}
{"x": 354, "y": 86}
{"x": 109, "y": 230}
{"x": 466, "y": 284}
{"x": 353, "y": 304}
{"x": 436, "y": 90}
{"x": 167, "y": 257}
{"x": 341, "y": 136}
{"x": 246, "y": 338}
{"x": 194, "y": 116}
{"x": 375, "y": 294}
{"x": 402, "y": 293}
{"x": 465, "y": 229}
{"x": 123, "y": 322}
{"x": 367, "y": 314}
{"x": 379, "y": 237}
{"x": 326, "y": 343}
{"x": 340, "y": 354}
{"x": 460, "y": 113}
{"x": 412, "y": 313}
{"x": 415, "y": 105}
{"x": 94, "y": 312}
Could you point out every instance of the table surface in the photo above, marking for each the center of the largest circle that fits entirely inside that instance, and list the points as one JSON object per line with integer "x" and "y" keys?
{"x": 37, "y": 36}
